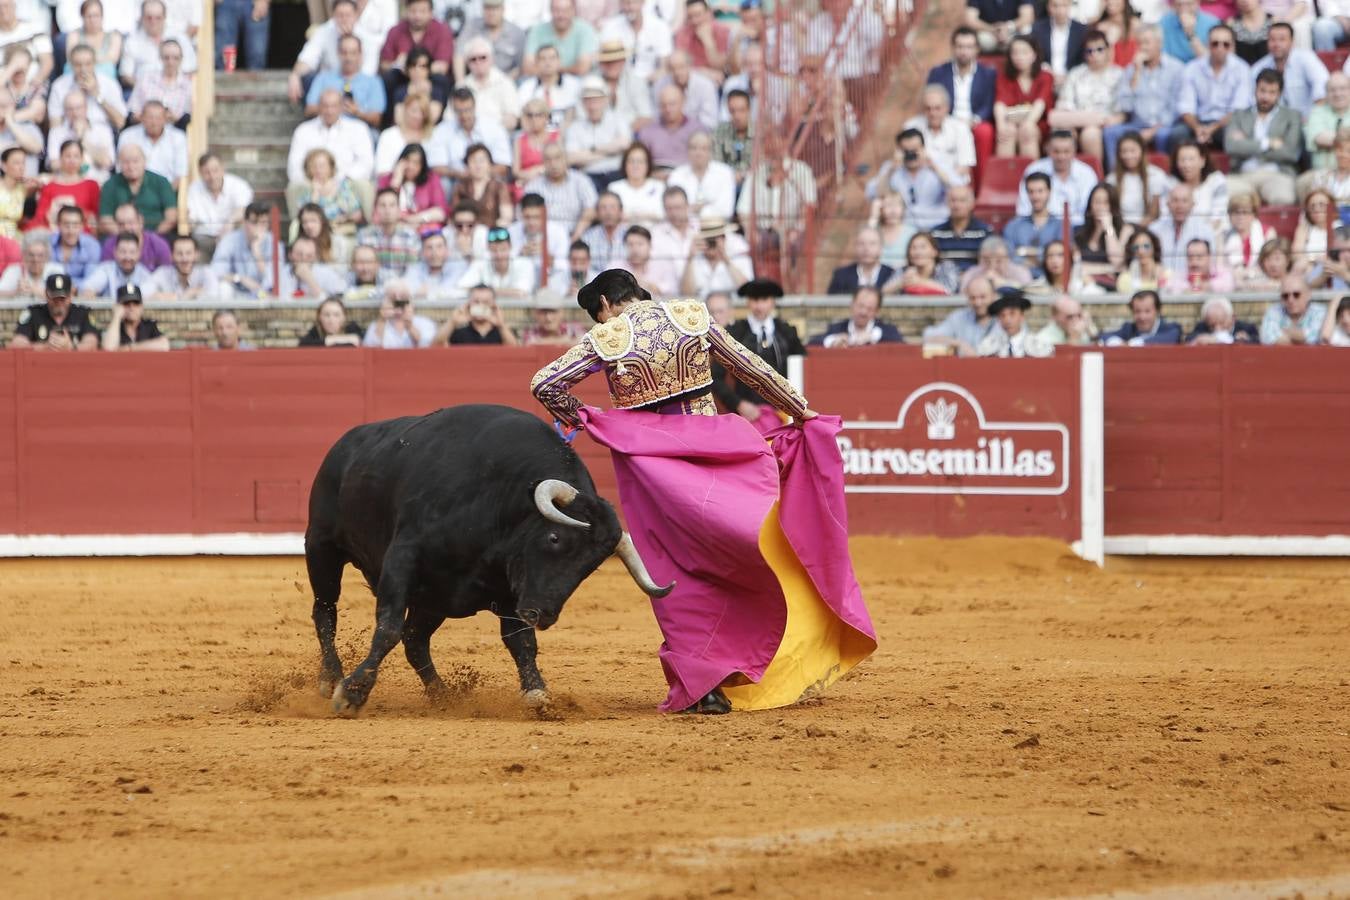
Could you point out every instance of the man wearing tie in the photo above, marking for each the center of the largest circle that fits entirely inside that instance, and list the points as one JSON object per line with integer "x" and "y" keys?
{"x": 772, "y": 339}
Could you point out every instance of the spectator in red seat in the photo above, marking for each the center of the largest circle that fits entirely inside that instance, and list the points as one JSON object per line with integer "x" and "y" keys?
{"x": 966, "y": 327}
{"x": 1102, "y": 237}
{"x": 507, "y": 39}
{"x": 124, "y": 268}
{"x": 1240, "y": 243}
{"x": 1204, "y": 274}
{"x": 1293, "y": 320}
{"x": 596, "y": 138}
{"x": 102, "y": 93}
{"x": 1213, "y": 88}
{"x": 946, "y": 140}
{"x": 1218, "y": 325}
{"x": 92, "y": 32}
{"x": 480, "y": 187}
{"x": 155, "y": 250}
{"x": 27, "y": 277}
{"x": 557, "y": 91}
{"x": 718, "y": 261}
{"x": 861, "y": 328}
{"x": 1070, "y": 323}
{"x": 1305, "y": 76}
{"x": 1087, "y": 100}
{"x": 912, "y": 175}
{"x": 73, "y": 248}
{"x": 168, "y": 84}
{"x": 129, "y": 330}
{"x": 926, "y": 272}
{"x": 225, "y": 331}
{"x": 650, "y": 38}
{"x": 398, "y": 327}
{"x": 165, "y": 147}
{"x": 1025, "y": 93}
{"x": 96, "y": 141}
{"x": 345, "y": 138}
{"x": 68, "y": 187}
{"x": 971, "y": 88}
{"x": 1060, "y": 39}
{"x": 996, "y": 21}
{"x": 995, "y": 263}
{"x": 962, "y": 234}
{"x": 331, "y": 327}
{"x": 1147, "y": 325}
{"x": 186, "y": 279}
{"x": 629, "y": 96}
{"x": 1336, "y": 330}
{"x": 1028, "y": 235}
{"x": 1264, "y": 145}
{"x": 640, "y": 193}
{"x": 140, "y": 53}
{"x": 1310, "y": 235}
{"x": 58, "y": 324}
{"x": 706, "y": 40}
{"x": 1179, "y": 227}
{"x": 1012, "y": 338}
{"x": 867, "y": 270}
{"x": 569, "y": 197}
{"x": 421, "y": 201}
{"x": 477, "y": 322}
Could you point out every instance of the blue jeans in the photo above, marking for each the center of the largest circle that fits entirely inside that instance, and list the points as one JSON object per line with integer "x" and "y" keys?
{"x": 235, "y": 25}
{"x": 1112, "y": 134}
{"x": 1327, "y": 34}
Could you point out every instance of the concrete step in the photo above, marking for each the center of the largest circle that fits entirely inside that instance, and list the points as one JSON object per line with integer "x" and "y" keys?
{"x": 266, "y": 176}
{"x": 251, "y": 84}
{"x": 262, "y": 111}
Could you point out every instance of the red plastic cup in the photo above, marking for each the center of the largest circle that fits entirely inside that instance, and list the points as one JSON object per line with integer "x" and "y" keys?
{"x": 230, "y": 55}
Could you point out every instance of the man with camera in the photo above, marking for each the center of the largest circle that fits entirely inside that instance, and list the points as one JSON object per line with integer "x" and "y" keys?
{"x": 130, "y": 330}
{"x": 719, "y": 260}
{"x": 477, "y": 322}
{"x": 399, "y": 327}
{"x": 910, "y": 174}
{"x": 57, "y": 324}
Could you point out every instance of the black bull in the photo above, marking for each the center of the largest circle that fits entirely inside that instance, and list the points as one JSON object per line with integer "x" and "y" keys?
{"x": 464, "y": 510}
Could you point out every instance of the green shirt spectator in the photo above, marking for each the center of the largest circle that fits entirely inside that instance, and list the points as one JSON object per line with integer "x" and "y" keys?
{"x": 149, "y": 192}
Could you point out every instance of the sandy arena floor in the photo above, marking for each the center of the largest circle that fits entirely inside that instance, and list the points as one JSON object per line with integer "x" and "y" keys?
{"x": 1030, "y": 728}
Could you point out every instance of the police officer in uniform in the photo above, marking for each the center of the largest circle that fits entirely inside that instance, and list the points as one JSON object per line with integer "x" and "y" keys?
{"x": 767, "y": 336}
{"x": 129, "y": 329}
{"x": 57, "y": 324}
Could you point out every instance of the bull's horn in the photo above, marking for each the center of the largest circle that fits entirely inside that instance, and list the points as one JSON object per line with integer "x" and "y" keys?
{"x": 552, "y": 494}
{"x": 633, "y": 563}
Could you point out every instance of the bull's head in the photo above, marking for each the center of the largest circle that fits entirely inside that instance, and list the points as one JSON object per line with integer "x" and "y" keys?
{"x": 575, "y": 533}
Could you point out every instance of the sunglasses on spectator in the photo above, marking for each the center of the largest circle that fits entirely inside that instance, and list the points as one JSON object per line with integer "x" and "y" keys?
{"x": 1291, "y": 295}
{"x": 497, "y": 235}
{"x": 1143, "y": 245}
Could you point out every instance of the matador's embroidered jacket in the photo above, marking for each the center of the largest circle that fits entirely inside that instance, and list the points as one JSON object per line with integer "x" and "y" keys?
{"x": 656, "y": 357}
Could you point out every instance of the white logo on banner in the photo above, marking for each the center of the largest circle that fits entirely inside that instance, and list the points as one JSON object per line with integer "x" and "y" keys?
{"x": 959, "y": 452}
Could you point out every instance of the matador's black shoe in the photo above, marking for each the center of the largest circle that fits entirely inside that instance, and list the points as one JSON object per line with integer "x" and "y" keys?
{"x": 713, "y": 703}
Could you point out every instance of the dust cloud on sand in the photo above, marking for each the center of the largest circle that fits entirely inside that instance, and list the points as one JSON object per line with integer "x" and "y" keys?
{"x": 1030, "y": 727}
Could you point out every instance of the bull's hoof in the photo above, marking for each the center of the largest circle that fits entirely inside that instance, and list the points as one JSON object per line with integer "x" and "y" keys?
{"x": 346, "y": 706}
{"x": 328, "y": 685}
{"x": 536, "y": 699}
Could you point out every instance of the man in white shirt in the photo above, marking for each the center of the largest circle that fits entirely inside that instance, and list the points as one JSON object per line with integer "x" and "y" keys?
{"x": 596, "y": 138}
{"x": 449, "y": 140}
{"x": 28, "y": 277}
{"x": 346, "y": 138}
{"x": 648, "y": 38}
{"x": 103, "y": 94}
{"x": 140, "y": 51}
{"x": 185, "y": 279}
{"x": 166, "y": 150}
{"x": 320, "y": 52}
{"x": 507, "y": 275}
{"x": 710, "y": 185}
{"x": 29, "y": 33}
{"x": 95, "y": 140}
{"x": 216, "y": 202}
{"x": 673, "y": 236}
{"x": 1071, "y": 179}
{"x": 948, "y": 141}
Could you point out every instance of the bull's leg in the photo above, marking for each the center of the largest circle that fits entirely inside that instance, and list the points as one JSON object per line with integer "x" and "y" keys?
{"x": 391, "y": 606}
{"x": 325, "y": 562}
{"x": 417, "y": 634}
{"x": 520, "y": 640}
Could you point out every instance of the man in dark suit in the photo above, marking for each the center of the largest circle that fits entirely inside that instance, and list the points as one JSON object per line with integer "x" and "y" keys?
{"x": 1148, "y": 325}
{"x": 867, "y": 271}
{"x": 1060, "y": 38}
{"x": 767, "y": 336}
{"x": 861, "y": 328}
{"x": 971, "y": 89}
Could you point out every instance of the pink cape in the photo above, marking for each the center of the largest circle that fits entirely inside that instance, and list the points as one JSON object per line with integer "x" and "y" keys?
{"x": 696, "y": 491}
